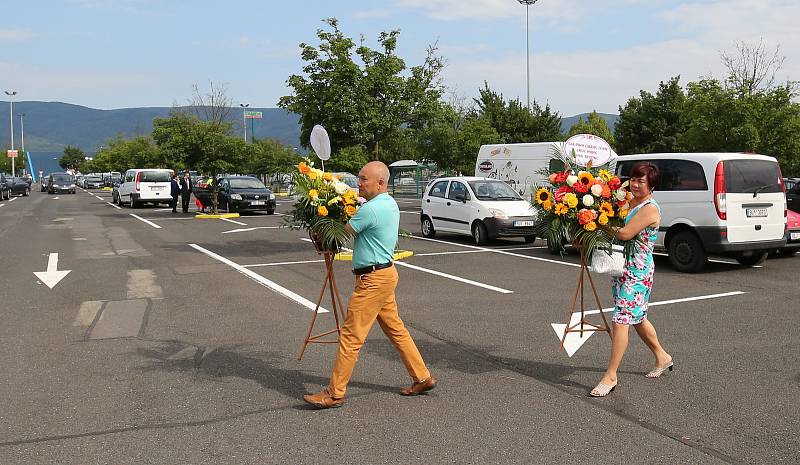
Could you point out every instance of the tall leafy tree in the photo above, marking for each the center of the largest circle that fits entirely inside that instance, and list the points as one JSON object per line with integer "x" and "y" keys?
{"x": 187, "y": 141}
{"x": 652, "y": 123}
{"x": 73, "y": 157}
{"x": 594, "y": 124}
{"x": 514, "y": 122}
{"x": 360, "y": 103}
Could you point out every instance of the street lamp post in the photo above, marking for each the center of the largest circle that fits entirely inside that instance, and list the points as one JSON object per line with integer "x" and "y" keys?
{"x": 22, "y": 133}
{"x": 11, "y": 95}
{"x": 244, "y": 118}
{"x": 527, "y": 4}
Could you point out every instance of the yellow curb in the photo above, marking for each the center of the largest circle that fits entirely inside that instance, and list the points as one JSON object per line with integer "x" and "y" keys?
{"x": 398, "y": 255}
{"x": 106, "y": 189}
{"x": 204, "y": 216}
{"x": 281, "y": 194}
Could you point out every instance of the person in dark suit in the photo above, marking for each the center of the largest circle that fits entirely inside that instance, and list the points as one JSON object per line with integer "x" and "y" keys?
{"x": 186, "y": 191}
{"x": 175, "y": 191}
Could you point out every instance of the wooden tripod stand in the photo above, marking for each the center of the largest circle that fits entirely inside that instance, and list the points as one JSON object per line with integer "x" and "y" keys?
{"x": 583, "y": 324}
{"x": 336, "y": 306}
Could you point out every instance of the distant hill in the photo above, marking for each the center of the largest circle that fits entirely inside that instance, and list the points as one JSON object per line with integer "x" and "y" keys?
{"x": 50, "y": 126}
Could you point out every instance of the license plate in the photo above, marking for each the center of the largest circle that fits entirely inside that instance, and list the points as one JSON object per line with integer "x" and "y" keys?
{"x": 258, "y": 202}
{"x": 156, "y": 188}
{"x": 794, "y": 236}
{"x": 756, "y": 212}
{"x": 523, "y": 223}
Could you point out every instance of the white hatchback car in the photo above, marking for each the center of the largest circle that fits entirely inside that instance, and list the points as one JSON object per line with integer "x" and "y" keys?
{"x": 141, "y": 186}
{"x": 480, "y": 207}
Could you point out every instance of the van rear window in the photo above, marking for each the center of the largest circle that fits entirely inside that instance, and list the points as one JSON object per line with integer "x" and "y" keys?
{"x": 155, "y": 176}
{"x": 748, "y": 176}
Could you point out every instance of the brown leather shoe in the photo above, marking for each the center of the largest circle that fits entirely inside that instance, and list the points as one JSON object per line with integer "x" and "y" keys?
{"x": 419, "y": 387}
{"x": 323, "y": 399}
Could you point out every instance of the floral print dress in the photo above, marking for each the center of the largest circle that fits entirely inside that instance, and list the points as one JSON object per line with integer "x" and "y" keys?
{"x": 631, "y": 291}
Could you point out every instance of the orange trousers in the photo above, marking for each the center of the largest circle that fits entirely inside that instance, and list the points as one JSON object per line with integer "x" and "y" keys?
{"x": 373, "y": 298}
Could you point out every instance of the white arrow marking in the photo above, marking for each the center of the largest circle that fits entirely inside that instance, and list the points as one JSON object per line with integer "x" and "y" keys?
{"x": 574, "y": 341}
{"x": 234, "y": 221}
{"x": 250, "y": 229}
{"x": 55, "y": 198}
{"x": 52, "y": 276}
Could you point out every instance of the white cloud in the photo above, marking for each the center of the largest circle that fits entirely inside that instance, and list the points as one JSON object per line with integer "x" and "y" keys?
{"x": 16, "y": 35}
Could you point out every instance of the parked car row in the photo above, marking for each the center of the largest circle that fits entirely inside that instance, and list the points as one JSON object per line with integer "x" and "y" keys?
{"x": 14, "y": 185}
{"x": 728, "y": 204}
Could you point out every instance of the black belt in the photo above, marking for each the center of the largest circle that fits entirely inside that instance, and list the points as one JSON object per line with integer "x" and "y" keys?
{"x": 371, "y": 268}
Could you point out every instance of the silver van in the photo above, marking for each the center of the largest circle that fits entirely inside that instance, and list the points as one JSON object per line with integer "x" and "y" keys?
{"x": 730, "y": 204}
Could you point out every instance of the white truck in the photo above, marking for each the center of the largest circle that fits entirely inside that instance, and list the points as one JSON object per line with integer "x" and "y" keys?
{"x": 518, "y": 164}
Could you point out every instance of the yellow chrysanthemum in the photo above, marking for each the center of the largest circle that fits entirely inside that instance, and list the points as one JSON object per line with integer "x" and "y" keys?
{"x": 543, "y": 195}
{"x": 313, "y": 194}
{"x": 591, "y": 226}
{"x": 570, "y": 200}
{"x": 547, "y": 205}
{"x": 605, "y": 175}
{"x": 327, "y": 176}
{"x": 561, "y": 209}
{"x": 623, "y": 213}
{"x": 607, "y": 209}
{"x": 350, "y": 210}
{"x": 322, "y": 211}
{"x": 603, "y": 219}
{"x": 311, "y": 175}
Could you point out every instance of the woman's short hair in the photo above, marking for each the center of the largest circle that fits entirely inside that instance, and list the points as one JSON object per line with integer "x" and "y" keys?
{"x": 647, "y": 170}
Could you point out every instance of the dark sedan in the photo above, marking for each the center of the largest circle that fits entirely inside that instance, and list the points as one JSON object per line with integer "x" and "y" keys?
{"x": 5, "y": 187}
{"x": 20, "y": 186}
{"x": 61, "y": 182}
{"x": 245, "y": 193}
{"x": 92, "y": 182}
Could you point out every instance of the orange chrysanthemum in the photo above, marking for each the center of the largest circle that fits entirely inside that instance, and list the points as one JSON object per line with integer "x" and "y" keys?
{"x": 303, "y": 168}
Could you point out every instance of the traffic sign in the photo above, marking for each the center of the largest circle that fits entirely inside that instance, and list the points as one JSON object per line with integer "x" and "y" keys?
{"x": 250, "y": 114}
{"x": 12, "y": 153}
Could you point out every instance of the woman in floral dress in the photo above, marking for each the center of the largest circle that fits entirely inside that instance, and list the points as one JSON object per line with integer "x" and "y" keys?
{"x": 631, "y": 291}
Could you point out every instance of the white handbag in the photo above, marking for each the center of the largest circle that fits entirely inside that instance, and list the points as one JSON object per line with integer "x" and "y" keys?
{"x": 608, "y": 262}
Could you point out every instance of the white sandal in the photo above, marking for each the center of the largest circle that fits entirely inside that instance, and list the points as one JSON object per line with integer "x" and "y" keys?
{"x": 658, "y": 371}
{"x": 602, "y": 390}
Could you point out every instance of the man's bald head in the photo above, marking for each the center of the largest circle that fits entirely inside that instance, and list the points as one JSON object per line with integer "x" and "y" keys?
{"x": 373, "y": 179}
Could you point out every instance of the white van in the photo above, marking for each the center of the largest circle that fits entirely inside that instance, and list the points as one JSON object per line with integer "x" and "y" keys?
{"x": 716, "y": 203}
{"x": 519, "y": 165}
{"x": 479, "y": 207}
{"x": 141, "y": 186}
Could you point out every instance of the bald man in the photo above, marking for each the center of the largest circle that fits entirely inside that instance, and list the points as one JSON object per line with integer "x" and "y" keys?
{"x": 375, "y": 227}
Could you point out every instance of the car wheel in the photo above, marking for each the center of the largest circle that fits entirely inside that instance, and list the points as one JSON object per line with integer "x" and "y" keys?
{"x": 686, "y": 253}
{"x": 753, "y": 258}
{"x": 427, "y": 227}
{"x": 787, "y": 252}
{"x": 270, "y": 212}
{"x": 133, "y": 203}
{"x": 479, "y": 233}
{"x": 530, "y": 239}
{"x": 26, "y": 193}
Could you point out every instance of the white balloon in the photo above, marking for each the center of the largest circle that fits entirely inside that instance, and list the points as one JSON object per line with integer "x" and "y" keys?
{"x": 320, "y": 142}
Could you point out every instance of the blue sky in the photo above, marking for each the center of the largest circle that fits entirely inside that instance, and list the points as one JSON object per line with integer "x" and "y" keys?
{"x": 586, "y": 54}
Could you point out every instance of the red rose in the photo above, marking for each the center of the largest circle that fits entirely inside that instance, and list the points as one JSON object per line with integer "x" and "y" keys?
{"x": 581, "y": 187}
{"x": 561, "y": 177}
{"x": 614, "y": 183}
{"x": 561, "y": 191}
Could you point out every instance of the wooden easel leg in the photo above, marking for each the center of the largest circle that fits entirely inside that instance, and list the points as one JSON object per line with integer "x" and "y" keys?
{"x": 582, "y": 325}
{"x": 336, "y": 304}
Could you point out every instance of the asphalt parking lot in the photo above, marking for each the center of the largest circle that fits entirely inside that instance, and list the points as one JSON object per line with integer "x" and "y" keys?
{"x": 175, "y": 340}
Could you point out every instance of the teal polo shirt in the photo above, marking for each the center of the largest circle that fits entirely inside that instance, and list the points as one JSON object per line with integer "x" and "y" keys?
{"x": 376, "y": 223}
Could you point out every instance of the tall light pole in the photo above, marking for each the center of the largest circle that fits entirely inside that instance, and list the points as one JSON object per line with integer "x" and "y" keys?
{"x": 22, "y": 133}
{"x": 244, "y": 118}
{"x": 11, "y": 95}
{"x": 527, "y": 4}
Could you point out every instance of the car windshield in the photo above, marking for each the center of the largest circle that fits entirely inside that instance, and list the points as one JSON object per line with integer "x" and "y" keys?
{"x": 62, "y": 178}
{"x": 493, "y": 190}
{"x": 246, "y": 183}
{"x": 155, "y": 176}
{"x": 93, "y": 178}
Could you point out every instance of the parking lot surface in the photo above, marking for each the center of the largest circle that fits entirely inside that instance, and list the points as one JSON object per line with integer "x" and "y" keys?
{"x": 175, "y": 340}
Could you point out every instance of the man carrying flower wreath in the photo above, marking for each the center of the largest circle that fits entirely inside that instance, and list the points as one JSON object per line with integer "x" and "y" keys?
{"x": 375, "y": 226}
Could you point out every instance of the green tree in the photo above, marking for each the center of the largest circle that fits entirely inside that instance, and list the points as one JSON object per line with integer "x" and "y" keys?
{"x": 514, "y": 122}
{"x": 185, "y": 141}
{"x": 269, "y": 157}
{"x": 348, "y": 159}
{"x": 73, "y": 157}
{"x": 361, "y": 104}
{"x": 594, "y": 124}
{"x": 453, "y": 141}
{"x": 652, "y": 123}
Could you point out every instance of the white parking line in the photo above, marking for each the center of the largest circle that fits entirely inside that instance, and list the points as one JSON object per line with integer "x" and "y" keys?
{"x": 98, "y": 197}
{"x": 261, "y": 280}
{"x": 2, "y": 205}
{"x": 115, "y": 206}
{"x": 439, "y": 273}
{"x": 250, "y": 229}
{"x": 500, "y": 251}
{"x": 233, "y": 221}
{"x": 301, "y": 262}
{"x": 13, "y": 199}
{"x": 145, "y": 221}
